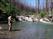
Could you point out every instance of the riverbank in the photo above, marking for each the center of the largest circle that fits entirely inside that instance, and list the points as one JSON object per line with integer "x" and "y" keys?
{"x": 33, "y": 19}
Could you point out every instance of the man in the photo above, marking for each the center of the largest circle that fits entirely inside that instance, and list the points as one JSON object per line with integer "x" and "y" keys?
{"x": 10, "y": 23}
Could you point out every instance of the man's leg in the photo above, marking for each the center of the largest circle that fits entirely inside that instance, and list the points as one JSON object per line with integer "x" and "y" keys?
{"x": 10, "y": 27}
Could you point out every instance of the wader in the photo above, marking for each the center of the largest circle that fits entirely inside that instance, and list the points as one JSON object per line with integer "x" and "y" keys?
{"x": 10, "y": 23}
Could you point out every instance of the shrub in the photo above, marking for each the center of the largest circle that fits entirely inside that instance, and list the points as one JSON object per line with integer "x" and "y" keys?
{"x": 42, "y": 14}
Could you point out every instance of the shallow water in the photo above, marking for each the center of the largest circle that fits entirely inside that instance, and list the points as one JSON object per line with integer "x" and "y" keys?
{"x": 30, "y": 30}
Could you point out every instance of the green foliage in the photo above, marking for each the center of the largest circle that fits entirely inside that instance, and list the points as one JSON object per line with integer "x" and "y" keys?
{"x": 42, "y": 14}
{"x": 8, "y": 7}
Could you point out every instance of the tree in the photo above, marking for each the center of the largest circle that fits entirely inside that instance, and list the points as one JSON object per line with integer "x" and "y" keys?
{"x": 47, "y": 7}
{"x": 8, "y": 7}
{"x": 38, "y": 5}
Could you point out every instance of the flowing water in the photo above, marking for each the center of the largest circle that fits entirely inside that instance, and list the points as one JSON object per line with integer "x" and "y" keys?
{"x": 29, "y": 30}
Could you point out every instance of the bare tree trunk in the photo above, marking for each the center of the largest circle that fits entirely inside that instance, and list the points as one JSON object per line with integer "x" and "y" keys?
{"x": 47, "y": 7}
{"x": 43, "y": 6}
{"x": 38, "y": 5}
{"x": 51, "y": 7}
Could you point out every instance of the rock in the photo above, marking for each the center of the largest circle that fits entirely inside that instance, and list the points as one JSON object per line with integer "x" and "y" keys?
{"x": 30, "y": 19}
{"x": 45, "y": 19}
{"x": 0, "y": 27}
{"x": 26, "y": 18}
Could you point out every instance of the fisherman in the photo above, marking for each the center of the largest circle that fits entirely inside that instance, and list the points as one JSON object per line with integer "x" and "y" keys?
{"x": 10, "y": 23}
